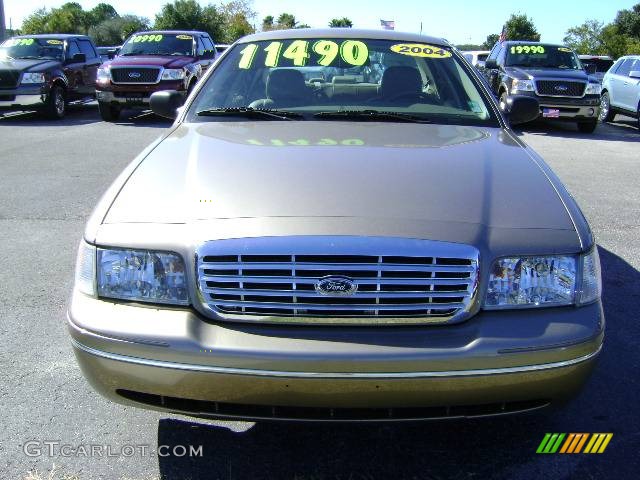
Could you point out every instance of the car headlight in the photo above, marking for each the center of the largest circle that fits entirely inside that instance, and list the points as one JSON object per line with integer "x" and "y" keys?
{"x": 104, "y": 74}
{"x": 137, "y": 275}
{"x": 522, "y": 86}
{"x": 173, "y": 74}
{"x": 593, "y": 89}
{"x": 31, "y": 77}
{"x": 544, "y": 281}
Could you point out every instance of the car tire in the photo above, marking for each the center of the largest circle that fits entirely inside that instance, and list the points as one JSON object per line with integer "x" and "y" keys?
{"x": 606, "y": 112}
{"x": 55, "y": 107}
{"x": 108, "y": 112}
{"x": 587, "y": 127}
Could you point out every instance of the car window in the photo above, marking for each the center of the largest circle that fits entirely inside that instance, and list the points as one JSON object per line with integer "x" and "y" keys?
{"x": 313, "y": 75}
{"x": 482, "y": 57}
{"x": 493, "y": 55}
{"x": 635, "y": 66}
{"x": 625, "y": 68}
{"x": 199, "y": 47}
{"x": 73, "y": 49}
{"x": 159, "y": 44}
{"x": 49, "y": 48}
{"x": 468, "y": 56}
{"x": 87, "y": 48}
{"x": 208, "y": 44}
{"x": 542, "y": 56}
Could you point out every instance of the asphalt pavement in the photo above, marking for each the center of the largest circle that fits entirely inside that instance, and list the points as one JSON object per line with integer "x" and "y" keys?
{"x": 51, "y": 176}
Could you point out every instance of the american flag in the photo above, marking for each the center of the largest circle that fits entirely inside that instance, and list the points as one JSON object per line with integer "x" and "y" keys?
{"x": 388, "y": 24}
{"x": 503, "y": 34}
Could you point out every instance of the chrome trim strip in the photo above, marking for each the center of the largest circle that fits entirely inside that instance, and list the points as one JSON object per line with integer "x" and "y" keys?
{"x": 354, "y": 375}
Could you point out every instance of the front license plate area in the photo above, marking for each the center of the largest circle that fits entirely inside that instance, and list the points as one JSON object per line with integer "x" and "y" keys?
{"x": 551, "y": 113}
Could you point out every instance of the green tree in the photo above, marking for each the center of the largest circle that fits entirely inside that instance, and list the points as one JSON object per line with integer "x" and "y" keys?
{"x": 189, "y": 15}
{"x": 470, "y": 46}
{"x": 69, "y": 18}
{"x": 238, "y": 15}
{"x": 586, "y": 38}
{"x": 267, "y": 23}
{"x": 628, "y": 21}
{"x": 303, "y": 25}
{"x": 100, "y": 13}
{"x": 490, "y": 41}
{"x": 286, "y": 20}
{"x": 520, "y": 27}
{"x": 613, "y": 42}
{"x": 36, "y": 22}
{"x": 341, "y": 22}
{"x": 114, "y": 31}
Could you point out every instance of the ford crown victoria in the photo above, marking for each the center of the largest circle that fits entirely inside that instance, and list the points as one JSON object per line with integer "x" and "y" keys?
{"x": 338, "y": 250}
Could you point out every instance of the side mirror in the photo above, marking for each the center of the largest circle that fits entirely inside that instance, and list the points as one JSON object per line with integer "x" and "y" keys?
{"x": 78, "y": 58}
{"x": 634, "y": 74}
{"x": 520, "y": 109}
{"x": 490, "y": 64}
{"x": 481, "y": 64}
{"x": 166, "y": 103}
{"x": 590, "y": 68}
{"x": 112, "y": 53}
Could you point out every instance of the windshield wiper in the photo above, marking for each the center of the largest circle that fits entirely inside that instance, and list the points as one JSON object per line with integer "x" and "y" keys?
{"x": 30, "y": 57}
{"x": 250, "y": 112}
{"x": 371, "y": 115}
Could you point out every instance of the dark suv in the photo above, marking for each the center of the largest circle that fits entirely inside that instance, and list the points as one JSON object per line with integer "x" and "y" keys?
{"x": 45, "y": 72}
{"x": 149, "y": 62}
{"x": 552, "y": 74}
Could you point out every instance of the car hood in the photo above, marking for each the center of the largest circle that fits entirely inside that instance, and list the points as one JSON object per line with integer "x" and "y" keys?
{"x": 531, "y": 73}
{"x": 166, "y": 61}
{"x": 453, "y": 183}
{"x": 28, "y": 65}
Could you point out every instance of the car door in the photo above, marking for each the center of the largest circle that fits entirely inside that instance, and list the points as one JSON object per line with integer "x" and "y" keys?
{"x": 617, "y": 84}
{"x": 90, "y": 68}
{"x": 629, "y": 87}
{"x": 209, "y": 52}
{"x": 73, "y": 70}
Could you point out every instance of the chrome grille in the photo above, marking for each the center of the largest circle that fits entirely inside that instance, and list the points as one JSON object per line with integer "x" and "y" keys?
{"x": 135, "y": 75}
{"x": 560, "y": 88}
{"x": 416, "y": 280}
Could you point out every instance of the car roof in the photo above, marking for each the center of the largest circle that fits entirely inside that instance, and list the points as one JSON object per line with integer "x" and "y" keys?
{"x": 171, "y": 32}
{"x": 344, "y": 33}
{"x": 56, "y": 36}
{"x": 526, "y": 42}
{"x": 598, "y": 57}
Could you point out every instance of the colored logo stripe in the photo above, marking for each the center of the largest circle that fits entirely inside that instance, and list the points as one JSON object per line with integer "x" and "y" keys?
{"x": 574, "y": 443}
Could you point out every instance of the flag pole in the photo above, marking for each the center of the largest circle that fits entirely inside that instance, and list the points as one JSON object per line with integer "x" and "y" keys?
{"x": 420, "y": 28}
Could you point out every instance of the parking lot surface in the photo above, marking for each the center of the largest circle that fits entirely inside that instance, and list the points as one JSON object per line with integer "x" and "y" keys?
{"x": 52, "y": 174}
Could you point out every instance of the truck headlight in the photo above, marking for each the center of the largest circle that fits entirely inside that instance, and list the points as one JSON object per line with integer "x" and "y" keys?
{"x": 173, "y": 74}
{"x": 104, "y": 75}
{"x": 31, "y": 77}
{"x": 593, "y": 89}
{"x": 522, "y": 86}
{"x": 544, "y": 281}
{"x": 141, "y": 275}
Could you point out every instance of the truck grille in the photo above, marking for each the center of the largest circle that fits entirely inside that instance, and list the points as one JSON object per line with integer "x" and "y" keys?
{"x": 9, "y": 78}
{"x": 135, "y": 75}
{"x": 418, "y": 281}
{"x": 559, "y": 88}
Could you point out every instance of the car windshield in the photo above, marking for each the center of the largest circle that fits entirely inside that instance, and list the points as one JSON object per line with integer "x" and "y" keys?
{"x": 158, "y": 44}
{"x": 602, "y": 65}
{"x": 340, "y": 79}
{"x": 46, "y": 48}
{"x": 542, "y": 56}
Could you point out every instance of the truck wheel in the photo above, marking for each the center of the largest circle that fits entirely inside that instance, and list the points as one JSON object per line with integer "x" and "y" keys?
{"x": 587, "y": 127}
{"x": 55, "y": 107}
{"x": 108, "y": 112}
{"x": 606, "y": 113}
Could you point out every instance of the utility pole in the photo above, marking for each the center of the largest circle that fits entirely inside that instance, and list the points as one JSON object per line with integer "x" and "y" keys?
{"x": 2, "y": 26}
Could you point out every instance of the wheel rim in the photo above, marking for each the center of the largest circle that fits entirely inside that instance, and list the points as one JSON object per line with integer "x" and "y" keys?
{"x": 59, "y": 101}
{"x": 604, "y": 107}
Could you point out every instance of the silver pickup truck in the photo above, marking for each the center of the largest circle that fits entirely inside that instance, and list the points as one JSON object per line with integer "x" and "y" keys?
{"x": 338, "y": 250}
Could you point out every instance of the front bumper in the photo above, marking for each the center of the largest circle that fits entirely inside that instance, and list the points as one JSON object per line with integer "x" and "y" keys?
{"x": 174, "y": 360}
{"x": 135, "y": 95}
{"x": 23, "y": 97}
{"x": 581, "y": 109}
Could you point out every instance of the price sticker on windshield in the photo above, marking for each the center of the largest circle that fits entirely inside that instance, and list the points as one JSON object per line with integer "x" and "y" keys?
{"x": 420, "y": 50}
{"x": 564, "y": 49}
{"x": 184, "y": 37}
{"x": 301, "y": 52}
{"x": 54, "y": 42}
{"x": 19, "y": 42}
{"x": 146, "y": 38}
{"x": 528, "y": 49}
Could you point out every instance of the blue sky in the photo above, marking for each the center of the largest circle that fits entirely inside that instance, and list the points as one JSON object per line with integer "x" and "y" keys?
{"x": 457, "y": 20}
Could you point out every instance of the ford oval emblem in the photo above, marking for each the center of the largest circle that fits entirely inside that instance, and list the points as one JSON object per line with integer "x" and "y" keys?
{"x": 135, "y": 74}
{"x": 336, "y": 286}
{"x": 562, "y": 88}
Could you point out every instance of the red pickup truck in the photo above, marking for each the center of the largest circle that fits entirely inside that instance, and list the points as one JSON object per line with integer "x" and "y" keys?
{"x": 149, "y": 62}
